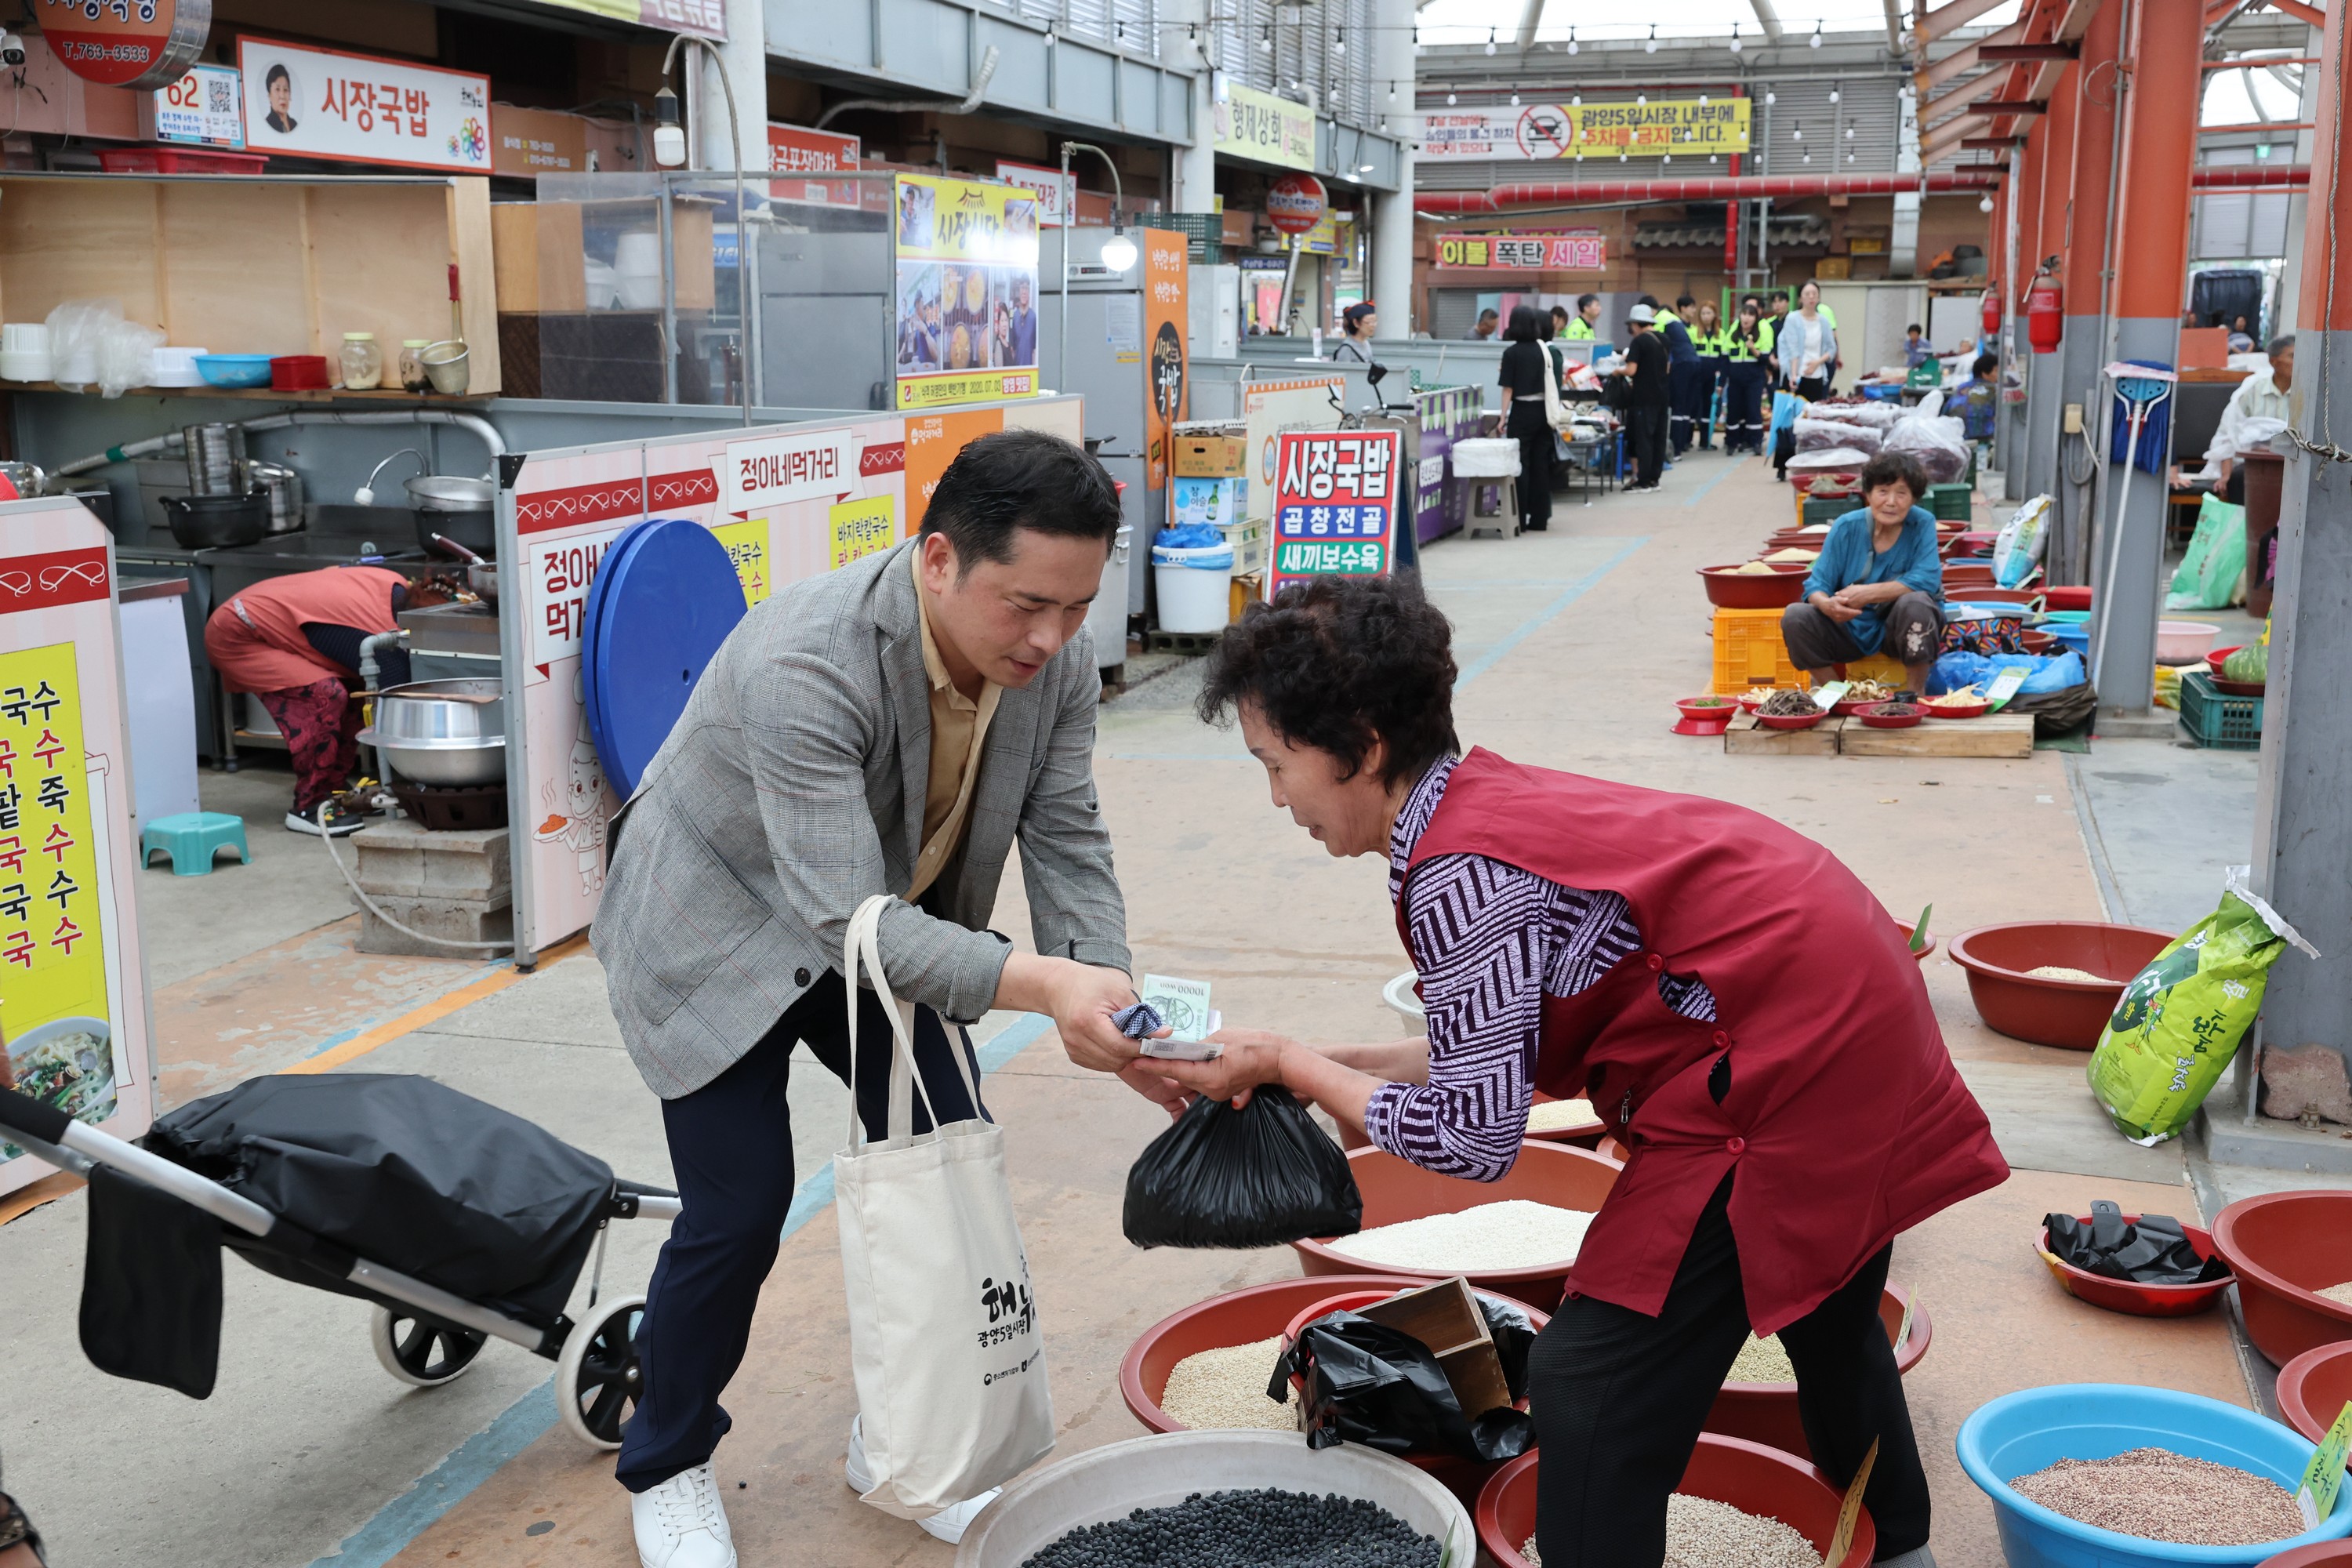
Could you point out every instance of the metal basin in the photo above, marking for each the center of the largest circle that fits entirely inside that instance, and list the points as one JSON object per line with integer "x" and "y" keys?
{"x": 442, "y": 732}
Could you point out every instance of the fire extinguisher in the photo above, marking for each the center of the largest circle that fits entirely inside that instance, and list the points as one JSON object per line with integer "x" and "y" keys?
{"x": 2046, "y": 314}
{"x": 1991, "y": 318}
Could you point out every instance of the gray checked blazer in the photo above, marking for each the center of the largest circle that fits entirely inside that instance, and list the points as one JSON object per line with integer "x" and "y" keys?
{"x": 793, "y": 789}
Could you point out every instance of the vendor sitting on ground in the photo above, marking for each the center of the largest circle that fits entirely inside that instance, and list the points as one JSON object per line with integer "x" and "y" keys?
{"x": 1878, "y": 584}
{"x": 294, "y": 643}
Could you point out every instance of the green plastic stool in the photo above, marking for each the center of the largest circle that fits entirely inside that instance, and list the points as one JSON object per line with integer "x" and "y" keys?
{"x": 190, "y": 838}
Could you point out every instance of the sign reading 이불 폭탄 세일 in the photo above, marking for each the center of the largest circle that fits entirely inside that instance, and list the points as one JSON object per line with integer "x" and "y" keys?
{"x": 1335, "y": 504}
{"x": 1538, "y": 130}
{"x": 1579, "y": 250}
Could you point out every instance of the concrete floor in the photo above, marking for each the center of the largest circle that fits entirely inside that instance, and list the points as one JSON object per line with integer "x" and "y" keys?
{"x": 1571, "y": 645}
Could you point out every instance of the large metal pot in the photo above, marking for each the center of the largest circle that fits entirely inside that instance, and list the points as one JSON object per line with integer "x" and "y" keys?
{"x": 442, "y": 732}
{"x": 282, "y": 487}
{"x": 213, "y": 522}
{"x": 481, "y": 575}
{"x": 464, "y": 509}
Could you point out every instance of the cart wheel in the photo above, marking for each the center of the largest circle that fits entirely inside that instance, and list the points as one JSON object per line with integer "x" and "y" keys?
{"x": 596, "y": 1379}
{"x": 420, "y": 1353}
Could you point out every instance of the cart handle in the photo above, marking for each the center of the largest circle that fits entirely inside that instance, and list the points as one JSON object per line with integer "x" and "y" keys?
{"x": 22, "y": 1113}
{"x": 49, "y": 1125}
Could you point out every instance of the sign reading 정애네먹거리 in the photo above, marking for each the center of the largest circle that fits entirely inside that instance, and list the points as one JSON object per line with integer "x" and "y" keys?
{"x": 329, "y": 104}
{"x": 967, "y": 291}
{"x": 1335, "y": 504}
{"x": 1538, "y": 130}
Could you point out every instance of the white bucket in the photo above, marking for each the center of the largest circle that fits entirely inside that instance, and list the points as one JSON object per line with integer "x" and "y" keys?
{"x": 1106, "y": 616}
{"x": 1196, "y": 588}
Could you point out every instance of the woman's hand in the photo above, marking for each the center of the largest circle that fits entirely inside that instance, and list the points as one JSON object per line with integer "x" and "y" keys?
{"x": 1251, "y": 1057}
{"x": 1142, "y": 1075}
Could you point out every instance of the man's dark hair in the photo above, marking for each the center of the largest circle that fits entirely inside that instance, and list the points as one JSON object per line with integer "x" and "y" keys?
{"x": 1584, "y": 299}
{"x": 1560, "y": 312}
{"x": 1986, "y": 364}
{"x": 1911, "y": 328}
{"x": 1020, "y": 478}
{"x": 2281, "y": 345}
{"x": 1650, "y": 301}
{"x": 1684, "y": 301}
{"x": 1490, "y": 314}
{"x": 277, "y": 74}
{"x": 1524, "y": 327}
{"x": 1337, "y": 663}
{"x": 1893, "y": 468}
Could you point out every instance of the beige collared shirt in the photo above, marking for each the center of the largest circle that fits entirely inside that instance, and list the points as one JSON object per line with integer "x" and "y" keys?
{"x": 959, "y": 726}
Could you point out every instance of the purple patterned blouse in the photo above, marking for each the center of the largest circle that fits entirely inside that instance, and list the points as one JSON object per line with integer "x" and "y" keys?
{"x": 1489, "y": 942}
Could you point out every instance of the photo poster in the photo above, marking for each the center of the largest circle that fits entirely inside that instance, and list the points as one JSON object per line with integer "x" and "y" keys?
{"x": 314, "y": 102}
{"x": 1166, "y": 273}
{"x": 1335, "y": 504}
{"x": 73, "y": 1001}
{"x": 966, "y": 290}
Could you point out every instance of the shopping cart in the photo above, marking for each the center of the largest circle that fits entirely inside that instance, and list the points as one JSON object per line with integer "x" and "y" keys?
{"x": 460, "y": 1222}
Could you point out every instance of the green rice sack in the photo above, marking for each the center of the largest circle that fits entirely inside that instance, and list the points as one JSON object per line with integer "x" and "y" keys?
{"x": 2180, "y": 1019}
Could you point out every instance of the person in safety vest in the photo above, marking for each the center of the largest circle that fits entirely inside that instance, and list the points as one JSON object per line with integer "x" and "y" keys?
{"x": 1588, "y": 312}
{"x": 1747, "y": 348}
{"x": 1708, "y": 338}
{"x": 1640, "y": 950}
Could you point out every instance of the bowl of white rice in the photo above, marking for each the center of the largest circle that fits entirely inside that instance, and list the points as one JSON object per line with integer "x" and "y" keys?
{"x": 1516, "y": 1237}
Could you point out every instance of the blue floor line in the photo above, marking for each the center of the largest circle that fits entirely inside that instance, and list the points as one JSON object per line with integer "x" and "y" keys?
{"x": 1577, "y": 590}
{"x": 521, "y": 1423}
{"x": 1730, "y": 467}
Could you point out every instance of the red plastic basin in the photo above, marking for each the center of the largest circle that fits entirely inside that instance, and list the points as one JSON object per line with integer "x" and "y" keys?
{"x": 1728, "y": 588}
{"x": 2068, "y": 1014}
{"x": 1925, "y": 948}
{"x": 2069, "y": 598}
{"x": 1396, "y": 1190}
{"x": 2312, "y": 1389}
{"x": 2319, "y": 1554}
{"x": 2284, "y": 1248}
{"x": 1258, "y": 1312}
{"x": 2128, "y": 1296}
{"x": 1766, "y": 1413}
{"x": 1748, "y": 1476}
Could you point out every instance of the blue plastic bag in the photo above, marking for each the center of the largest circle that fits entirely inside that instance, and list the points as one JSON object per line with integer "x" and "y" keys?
{"x": 1188, "y": 536}
{"x": 1786, "y": 406}
{"x": 2054, "y": 673}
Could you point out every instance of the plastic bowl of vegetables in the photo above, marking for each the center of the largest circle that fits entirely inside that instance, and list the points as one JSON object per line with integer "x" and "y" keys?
{"x": 2240, "y": 672}
{"x": 1967, "y": 702}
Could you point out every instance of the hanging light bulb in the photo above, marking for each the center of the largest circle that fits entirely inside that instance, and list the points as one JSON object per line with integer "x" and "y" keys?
{"x": 1710, "y": 157}
{"x": 1849, "y": 157}
{"x": 1834, "y": 95}
{"x": 1815, "y": 41}
{"x": 1391, "y": 92}
{"x": 1798, "y": 133}
{"x": 1049, "y": 38}
{"x": 1702, "y": 101}
{"x": 1771, "y": 98}
{"x": 1571, "y": 40}
{"x": 1985, "y": 205}
{"x": 1667, "y": 159}
{"x": 1576, "y": 101}
{"x": 1735, "y": 44}
{"x": 1809, "y": 157}
{"x": 1340, "y": 41}
{"x": 1652, "y": 47}
{"x": 1490, "y": 41}
{"x": 1640, "y": 98}
{"x": 1849, "y": 132}
{"x": 1451, "y": 101}
{"x": 1515, "y": 100}
{"x": 1266, "y": 42}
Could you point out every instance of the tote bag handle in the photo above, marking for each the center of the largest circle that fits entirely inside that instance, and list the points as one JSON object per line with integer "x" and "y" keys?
{"x": 861, "y": 946}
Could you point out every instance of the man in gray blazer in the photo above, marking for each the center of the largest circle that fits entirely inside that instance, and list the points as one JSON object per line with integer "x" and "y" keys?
{"x": 892, "y": 727}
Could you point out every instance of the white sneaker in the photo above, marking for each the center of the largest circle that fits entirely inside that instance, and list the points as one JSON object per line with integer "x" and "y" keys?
{"x": 681, "y": 1525}
{"x": 948, "y": 1524}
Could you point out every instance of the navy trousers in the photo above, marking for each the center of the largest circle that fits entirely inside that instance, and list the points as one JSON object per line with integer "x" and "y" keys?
{"x": 1684, "y": 383}
{"x": 731, "y": 1145}
{"x": 1743, "y": 406}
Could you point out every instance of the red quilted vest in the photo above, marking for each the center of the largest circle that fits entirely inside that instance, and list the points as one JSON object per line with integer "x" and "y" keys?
{"x": 1845, "y": 1118}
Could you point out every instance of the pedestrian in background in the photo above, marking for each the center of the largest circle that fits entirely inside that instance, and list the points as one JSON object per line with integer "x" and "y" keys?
{"x": 1683, "y": 371}
{"x": 1807, "y": 345}
{"x": 1748, "y": 346}
{"x": 1714, "y": 345}
{"x": 1646, "y": 364}
{"x": 1527, "y": 362}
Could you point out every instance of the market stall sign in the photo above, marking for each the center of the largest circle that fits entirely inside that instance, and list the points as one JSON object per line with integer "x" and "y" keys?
{"x": 135, "y": 44}
{"x": 703, "y": 18}
{"x": 532, "y": 142}
{"x": 204, "y": 107}
{"x": 1335, "y": 504}
{"x": 1056, "y": 192}
{"x": 1295, "y": 204}
{"x": 364, "y": 109}
{"x": 1561, "y": 130}
{"x": 1166, "y": 271}
{"x": 1259, "y": 126}
{"x": 1581, "y": 251}
{"x": 796, "y": 150}
{"x": 967, "y": 291}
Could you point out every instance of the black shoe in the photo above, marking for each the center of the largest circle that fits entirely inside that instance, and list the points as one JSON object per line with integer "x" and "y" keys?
{"x": 326, "y": 819}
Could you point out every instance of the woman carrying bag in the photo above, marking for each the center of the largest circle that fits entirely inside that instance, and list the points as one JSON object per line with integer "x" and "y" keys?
{"x": 1531, "y": 387}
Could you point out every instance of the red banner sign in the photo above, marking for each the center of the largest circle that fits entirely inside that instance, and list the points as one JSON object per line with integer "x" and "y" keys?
{"x": 135, "y": 44}
{"x": 543, "y": 509}
{"x": 45, "y": 582}
{"x": 1574, "y": 252}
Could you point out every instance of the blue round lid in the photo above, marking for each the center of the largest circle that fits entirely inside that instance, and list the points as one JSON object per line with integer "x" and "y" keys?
{"x": 664, "y": 598}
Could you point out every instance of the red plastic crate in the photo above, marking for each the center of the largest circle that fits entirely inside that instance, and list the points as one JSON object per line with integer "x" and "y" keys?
{"x": 178, "y": 161}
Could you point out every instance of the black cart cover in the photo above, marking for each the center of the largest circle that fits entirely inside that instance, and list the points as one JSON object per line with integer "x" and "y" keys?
{"x": 408, "y": 1173}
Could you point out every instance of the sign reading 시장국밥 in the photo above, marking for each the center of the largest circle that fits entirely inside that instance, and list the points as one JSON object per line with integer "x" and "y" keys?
{"x": 1335, "y": 504}
{"x": 72, "y": 1005}
{"x": 967, "y": 291}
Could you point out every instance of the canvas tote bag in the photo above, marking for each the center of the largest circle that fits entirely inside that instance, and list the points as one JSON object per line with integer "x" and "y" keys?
{"x": 949, "y": 1356}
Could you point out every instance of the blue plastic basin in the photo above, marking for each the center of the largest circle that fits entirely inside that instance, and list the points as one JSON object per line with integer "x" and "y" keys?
{"x": 2073, "y": 636}
{"x": 2022, "y": 1433}
{"x": 233, "y": 370}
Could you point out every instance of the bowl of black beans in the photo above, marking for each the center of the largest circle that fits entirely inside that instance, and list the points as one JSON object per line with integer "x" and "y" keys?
{"x": 1222, "y": 1499}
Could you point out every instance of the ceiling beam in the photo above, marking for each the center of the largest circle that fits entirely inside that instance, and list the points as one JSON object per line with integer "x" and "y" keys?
{"x": 2022, "y": 54}
{"x": 1948, "y": 137}
{"x": 2309, "y": 16}
{"x": 2010, "y": 106}
{"x": 1960, "y": 61}
{"x": 1531, "y": 18}
{"x": 1991, "y": 143}
{"x": 1894, "y": 27}
{"x": 1769, "y": 19}
{"x": 1950, "y": 14}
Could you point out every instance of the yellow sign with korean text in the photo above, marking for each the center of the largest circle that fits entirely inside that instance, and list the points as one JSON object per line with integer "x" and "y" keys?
{"x": 1263, "y": 128}
{"x": 1539, "y": 131}
{"x": 747, "y": 547}
{"x": 862, "y": 528}
{"x": 52, "y": 956}
{"x": 967, "y": 291}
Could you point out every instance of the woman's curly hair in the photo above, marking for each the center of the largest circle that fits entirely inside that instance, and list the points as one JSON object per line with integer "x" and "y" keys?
{"x": 1338, "y": 663}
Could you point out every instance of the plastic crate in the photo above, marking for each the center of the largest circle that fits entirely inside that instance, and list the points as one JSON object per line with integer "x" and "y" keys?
{"x": 1953, "y": 502}
{"x": 1203, "y": 232}
{"x": 2215, "y": 718}
{"x": 1749, "y": 652}
{"x": 1875, "y": 667}
{"x": 1821, "y": 509}
{"x": 178, "y": 161}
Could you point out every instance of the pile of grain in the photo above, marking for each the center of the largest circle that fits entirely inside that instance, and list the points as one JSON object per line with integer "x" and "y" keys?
{"x": 1226, "y": 1388}
{"x": 1554, "y": 1114}
{"x": 1762, "y": 1361}
{"x": 1704, "y": 1533}
{"x": 2159, "y": 1495}
{"x": 1515, "y": 1234}
{"x": 1263, "y": 1529}
{"x": 2060, "y": 971}
{"x": 2339, "y": 1294}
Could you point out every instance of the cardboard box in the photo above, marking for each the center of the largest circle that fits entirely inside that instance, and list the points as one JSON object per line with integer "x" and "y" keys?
{"x": 1213, "y": 501}
{"x": 1222, "y": 455}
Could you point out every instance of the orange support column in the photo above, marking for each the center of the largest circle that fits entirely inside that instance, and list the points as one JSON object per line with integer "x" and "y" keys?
{"x": 2163, "y": 55}
{"x": 2092, "y": 88}
{"x": 2053, "y": 146}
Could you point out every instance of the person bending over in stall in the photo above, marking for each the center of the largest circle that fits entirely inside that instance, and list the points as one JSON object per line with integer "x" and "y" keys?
{"x": 294, "y": 643}
{"x": 1633, "y": 947}
{"x": 1879, "y": 583}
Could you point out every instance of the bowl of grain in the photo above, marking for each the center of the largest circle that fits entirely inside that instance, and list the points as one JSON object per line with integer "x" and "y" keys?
{"x": 1757, "y": 585}
{"x": 1738, "y": 1505}
{"x": 1759, "y": 1400}
{"x": 1516, "y": 1236}
{"x": 2292, "y": 1253}
{"x": 2053, "y": 983}
{"x": 1573, "y": 1121}
{"x": 2128, "y": 1477}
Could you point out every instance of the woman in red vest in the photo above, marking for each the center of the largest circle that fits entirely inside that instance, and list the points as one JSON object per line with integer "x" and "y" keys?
{"x": 1732, "y": 1000}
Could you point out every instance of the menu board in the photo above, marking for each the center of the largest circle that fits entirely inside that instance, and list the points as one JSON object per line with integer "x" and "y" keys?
{"x": 72, "y": 1005}
{"x": 967, "y": 291}
{"x": 1335, "y": 504}
{"x": 329, "y": 103}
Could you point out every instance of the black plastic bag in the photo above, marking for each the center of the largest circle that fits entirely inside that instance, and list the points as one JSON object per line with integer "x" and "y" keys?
{"x": 1368, "y": 1383}
{"x": 1260, "y": 1177}
{"x": 2154, "y": 1251}
{"x": 150, "y": 1286}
